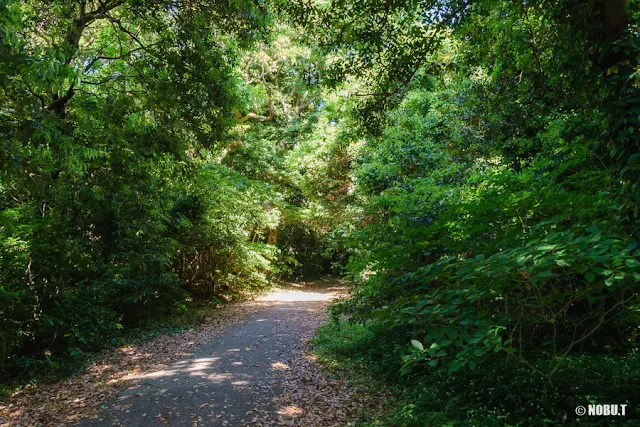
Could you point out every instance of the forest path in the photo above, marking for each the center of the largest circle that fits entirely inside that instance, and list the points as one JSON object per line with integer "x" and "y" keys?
{"x": 255, "y": 373}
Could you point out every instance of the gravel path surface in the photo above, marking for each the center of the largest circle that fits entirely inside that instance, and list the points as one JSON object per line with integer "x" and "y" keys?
{"x": 250, "y": 375}
{"x": 248, "y": 364}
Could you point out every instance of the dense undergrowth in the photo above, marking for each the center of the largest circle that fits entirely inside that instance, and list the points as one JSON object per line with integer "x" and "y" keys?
{"x": 503, "y": 392}
{"x": 471, "y": 167}
{"x": 496, "y": 260}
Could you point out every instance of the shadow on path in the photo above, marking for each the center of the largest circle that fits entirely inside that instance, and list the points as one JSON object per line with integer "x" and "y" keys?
{"x": 234, "y": 379}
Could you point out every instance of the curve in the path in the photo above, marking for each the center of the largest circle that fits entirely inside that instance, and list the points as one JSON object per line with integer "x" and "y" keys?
{"x": 233, "y": 380}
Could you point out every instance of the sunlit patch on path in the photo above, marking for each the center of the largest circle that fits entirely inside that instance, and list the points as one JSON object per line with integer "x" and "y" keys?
{"x": 242, "y": 377}
{"x": 287, "y": 295}
{"x": 247, "y": 365}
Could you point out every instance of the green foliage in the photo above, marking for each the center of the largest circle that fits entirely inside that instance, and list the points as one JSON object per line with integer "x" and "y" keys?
{"x": 498, "y": 217}
{"x": 503, "y": 392}
{"x": 474, "y": 165}
{"x": 129, "y": 184}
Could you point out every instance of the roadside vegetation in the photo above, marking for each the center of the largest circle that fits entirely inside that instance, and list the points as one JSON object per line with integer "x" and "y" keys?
{"x": 471, "y": 169}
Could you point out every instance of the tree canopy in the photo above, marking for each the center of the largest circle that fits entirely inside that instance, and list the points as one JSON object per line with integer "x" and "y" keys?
{"x": 471, "y": 167}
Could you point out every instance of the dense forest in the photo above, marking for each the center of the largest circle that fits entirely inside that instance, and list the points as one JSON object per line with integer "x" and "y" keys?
{"x": 471, "y": 168}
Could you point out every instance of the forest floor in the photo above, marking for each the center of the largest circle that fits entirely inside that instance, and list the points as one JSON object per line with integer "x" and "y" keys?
{"x": 248, "y": 364}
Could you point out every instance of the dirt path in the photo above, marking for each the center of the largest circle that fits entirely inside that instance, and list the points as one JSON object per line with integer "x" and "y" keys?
{"x": 247, "y": 365}
{"x": 235, "y": 379}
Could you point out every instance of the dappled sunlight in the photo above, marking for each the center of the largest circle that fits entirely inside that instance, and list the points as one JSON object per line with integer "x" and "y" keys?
{"x": 204, "y": 368}
{"x": 439, "y": 199}
{"x": 227, "y": 367}
{"x": 193, "y": 368}
{"x": 126, "y": 350}
{"x": 244, "y": 361}
{"x": 200, "y": 364}
{"x": 159, "y": 374}
{"x": 99, "y": 369}
{"x": 279, "y": 366}
{"x": 294, "y": 295}
{"x": 217, "y": 377}
{"x": 291, "y": 411}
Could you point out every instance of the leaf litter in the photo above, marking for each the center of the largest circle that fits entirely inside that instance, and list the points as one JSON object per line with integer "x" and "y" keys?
{"x": 67, "y": 401}
{"x": 309, "y": 395}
